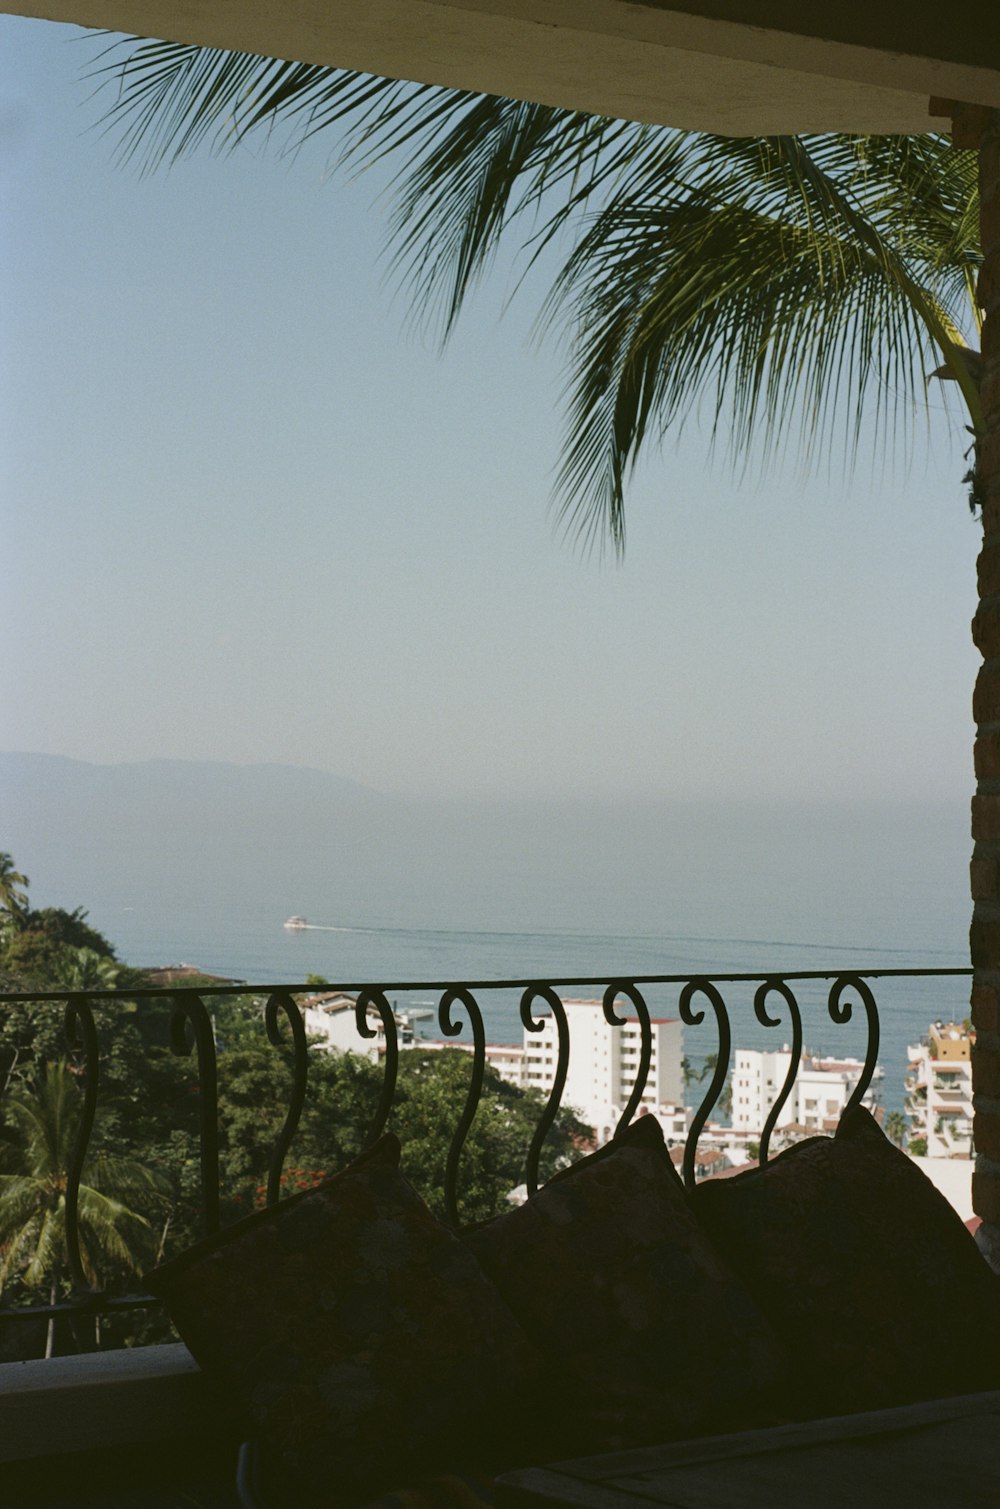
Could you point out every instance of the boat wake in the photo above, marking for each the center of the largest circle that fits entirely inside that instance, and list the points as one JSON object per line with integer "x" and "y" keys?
{"x": 300, "y": 925}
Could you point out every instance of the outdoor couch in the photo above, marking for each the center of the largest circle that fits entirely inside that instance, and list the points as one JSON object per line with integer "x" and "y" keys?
{"x": 380, "y": 1357}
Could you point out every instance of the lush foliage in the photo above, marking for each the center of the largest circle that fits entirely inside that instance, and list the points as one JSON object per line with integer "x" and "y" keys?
{"x": 895, "y": 1126}
{"x": 743, "y": 280}
{"x": 13, "y": 893}
{"x": 41, "y": 1127}
{"x": 50, "y": 948}
{"x": 141, "y": 1194}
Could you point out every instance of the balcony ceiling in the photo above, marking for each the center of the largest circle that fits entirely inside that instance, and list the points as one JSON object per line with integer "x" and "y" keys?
{"x": 737, "y": 67}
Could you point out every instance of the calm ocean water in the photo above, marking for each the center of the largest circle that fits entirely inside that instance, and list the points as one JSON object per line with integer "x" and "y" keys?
{"x": 201, "y": 863}
{"x": 399, "y": 956}
{"x": 509, "y": 895}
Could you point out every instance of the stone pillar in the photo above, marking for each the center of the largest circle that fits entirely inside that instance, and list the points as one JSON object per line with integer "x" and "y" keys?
{"x": 984, "y": 129}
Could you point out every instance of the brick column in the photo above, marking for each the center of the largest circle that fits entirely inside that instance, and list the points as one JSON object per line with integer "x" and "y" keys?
{"x": 985, "y": 869}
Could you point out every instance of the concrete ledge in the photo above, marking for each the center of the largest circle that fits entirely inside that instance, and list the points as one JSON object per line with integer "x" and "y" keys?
{"x": 101, "y": 1399}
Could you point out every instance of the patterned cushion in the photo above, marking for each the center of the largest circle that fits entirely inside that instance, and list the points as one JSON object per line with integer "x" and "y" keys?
{"x": 651, "y": 1334}
{"x": 358, "y": 1332}
{"x": 868, "y": 1274}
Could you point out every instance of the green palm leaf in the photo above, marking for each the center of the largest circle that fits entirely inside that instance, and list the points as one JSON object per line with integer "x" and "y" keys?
{"x": 757, "y": 279}
{"x": 42, "y": 1126}
{"x": 13, "y": 890}
{"x": 757, "y": 290}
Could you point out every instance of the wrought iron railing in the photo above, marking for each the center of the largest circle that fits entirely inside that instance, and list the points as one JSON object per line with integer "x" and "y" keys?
{"x": 772, "y": 1001}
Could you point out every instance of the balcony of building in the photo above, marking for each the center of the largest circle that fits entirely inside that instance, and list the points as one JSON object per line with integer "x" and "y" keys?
{"x": 952, "y": 1087}
{"x": 118, "y": 1418}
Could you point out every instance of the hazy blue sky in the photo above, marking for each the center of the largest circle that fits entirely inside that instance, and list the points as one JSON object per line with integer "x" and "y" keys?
{"x": 246, "y": 517}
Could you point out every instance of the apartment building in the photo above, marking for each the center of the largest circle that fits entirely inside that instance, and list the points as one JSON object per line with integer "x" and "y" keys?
{"x": 821, "y": 1090}
{"x": 939, "y": 1090}
{"x": 603, "y": 1064}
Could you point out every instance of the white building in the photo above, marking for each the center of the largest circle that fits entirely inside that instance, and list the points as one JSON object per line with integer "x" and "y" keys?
{"x": 603, "y": 1063}
{"x": 821, "y": 1090}
{"x": 330, "y": 1018}
{"x": 508, "y": 1060}
{"x": 603, "y": 1059}
{"x": 939, "y": 1090}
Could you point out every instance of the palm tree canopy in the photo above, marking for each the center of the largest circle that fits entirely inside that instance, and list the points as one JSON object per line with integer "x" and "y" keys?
{"x": 750, "y": 280}
{"x": 13, "y": 889}
{"x": 895, "y": 1126}
{"x": 42, "y": 1123}
{"x": 83, "y": 969}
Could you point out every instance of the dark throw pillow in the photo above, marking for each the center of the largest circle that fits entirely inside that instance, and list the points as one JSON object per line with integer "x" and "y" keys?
{"x": 648, "y": 1333}
{"x": 359, "y": 1334}
{"x": 867, "y": 1273}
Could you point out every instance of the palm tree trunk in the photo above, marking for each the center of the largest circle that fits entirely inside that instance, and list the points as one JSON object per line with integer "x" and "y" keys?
{"x": 163, "y": 1240}
{"x": 985, "y": 870}
{"x": 50, "y": 1335}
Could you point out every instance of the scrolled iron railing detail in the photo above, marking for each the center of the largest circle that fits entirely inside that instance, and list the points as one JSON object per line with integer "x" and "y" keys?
{"x": 840, "y": 1012}
{"x": 537, "y": 1024}
{"x": 451, "y": 1028}
{"x": 190, "y": 1025}
{"x": 280, "y": 1001}
{"x": 189, "y": 1008}
{"x": 700, "y": 985}
{"x": 626, "y": 988}
{"x": 376, "y": 999}
{"x": 778, "y": 987}
{"x": 81, "y": 1031}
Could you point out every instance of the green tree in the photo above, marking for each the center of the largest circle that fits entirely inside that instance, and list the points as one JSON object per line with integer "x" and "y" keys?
{"x": 255, "y": 1080}
{"x": 51, "y": 949}
{"x": 42, "y": 1125}
{"x": 71, "y": 929}
{"x": 431, "y": 1093}
{"x": 83, "y": 969}
{"x": 689, "y": 1074}
{"x": 13, "y": 892}
{"x": 896, "y": 1127}
{"x": 752, "y": 279}
{"x": 343, "y": 1091}
{"x": 724, "y": 1105}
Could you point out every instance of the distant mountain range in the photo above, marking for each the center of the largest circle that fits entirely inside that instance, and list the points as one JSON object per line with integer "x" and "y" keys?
{"x": 162, "y": 837}
{"x": 87, "y": 830}
{"x": 22, "y": 774}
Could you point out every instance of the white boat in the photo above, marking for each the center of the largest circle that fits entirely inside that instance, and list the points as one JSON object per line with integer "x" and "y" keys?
{"x": 296, "y": 923}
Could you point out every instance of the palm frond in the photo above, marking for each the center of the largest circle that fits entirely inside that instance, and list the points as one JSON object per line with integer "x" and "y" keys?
{"x": 501, "y": 163}
{"x": 47, "y": 1247}
{"x": 33, "y": 1196}
{"x": 110, "y": 1230}
{"x": 755, "y": 290}
{"x": 169, "y": 99}
{"x": 759, "y": 279}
